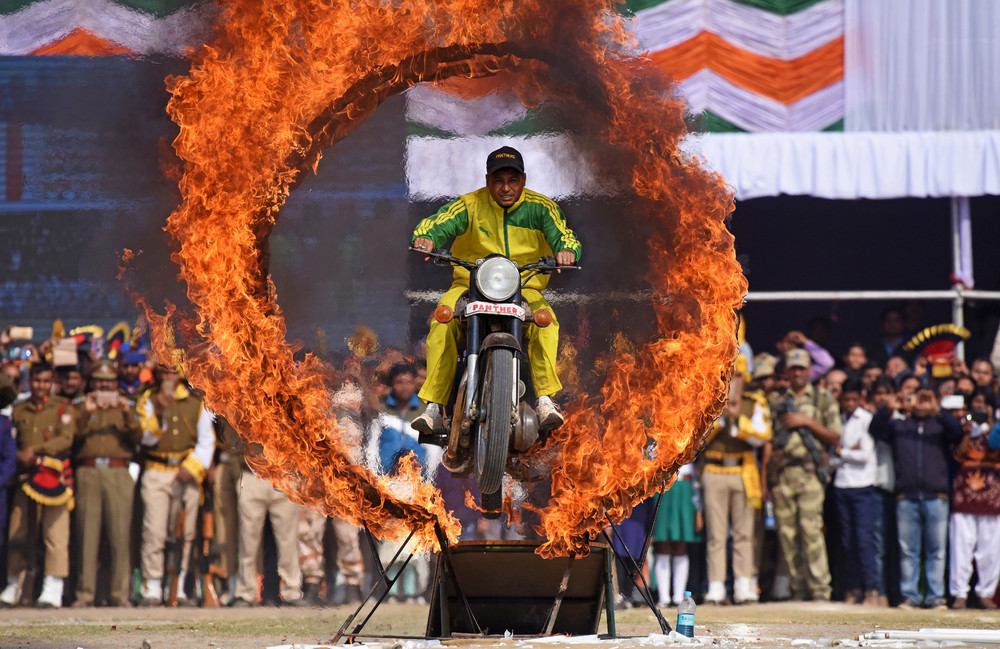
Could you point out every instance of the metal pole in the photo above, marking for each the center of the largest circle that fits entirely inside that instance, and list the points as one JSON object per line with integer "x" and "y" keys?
{"x": 450, "y": 572}
{"x": 374, "y": 548}
{"x": 824, "y": 296}
{"x": 382, "y": 576}
{"x": 647, "y": 596}
{"x": 563, "y": 585}
{"x": 609, "y": 590}
{"x": 961, "y": 251}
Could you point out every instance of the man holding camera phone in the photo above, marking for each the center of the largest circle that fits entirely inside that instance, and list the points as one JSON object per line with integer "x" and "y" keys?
{"x": 108, "y": 433}
{"x": 921, "y": 437}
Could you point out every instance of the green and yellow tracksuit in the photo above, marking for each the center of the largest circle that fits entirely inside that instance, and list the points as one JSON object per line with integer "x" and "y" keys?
{"x": 531, "y": 228}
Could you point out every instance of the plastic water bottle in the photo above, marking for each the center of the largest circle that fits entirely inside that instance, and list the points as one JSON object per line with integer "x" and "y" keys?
{"x": 685, "y": 616}
{"x": 769, "y": 522}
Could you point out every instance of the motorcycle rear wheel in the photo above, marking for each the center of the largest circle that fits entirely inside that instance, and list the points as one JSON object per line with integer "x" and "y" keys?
{"x": 493, "y": 431}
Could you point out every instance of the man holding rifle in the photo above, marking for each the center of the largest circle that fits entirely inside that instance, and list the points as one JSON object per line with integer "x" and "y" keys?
{"x": 179, "y": 441}
{"x": 807, "y": 419}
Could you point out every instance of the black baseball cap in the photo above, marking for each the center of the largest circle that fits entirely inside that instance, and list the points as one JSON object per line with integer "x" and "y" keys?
{"x": 505, "y": 156}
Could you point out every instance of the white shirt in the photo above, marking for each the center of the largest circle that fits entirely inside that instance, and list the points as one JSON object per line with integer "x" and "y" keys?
{"x": 857, "y": 465}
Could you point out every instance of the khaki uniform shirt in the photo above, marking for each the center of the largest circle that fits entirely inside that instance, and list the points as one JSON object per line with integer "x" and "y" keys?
{"x": 109, "y": 433}
{"x": 48, "y": 427}
{"x": 181, "y": 435}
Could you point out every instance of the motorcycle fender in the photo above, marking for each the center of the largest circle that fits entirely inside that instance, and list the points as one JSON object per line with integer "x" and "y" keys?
{"x": 500, "y": 339}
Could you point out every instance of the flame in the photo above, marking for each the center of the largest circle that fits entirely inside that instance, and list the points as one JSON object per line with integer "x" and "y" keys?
{"x": 281, "y": 81}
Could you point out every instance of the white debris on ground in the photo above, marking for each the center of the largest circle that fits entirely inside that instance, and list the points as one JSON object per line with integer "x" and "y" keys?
{"x": 738, "y": 635}
{"x": 386, "y": 644}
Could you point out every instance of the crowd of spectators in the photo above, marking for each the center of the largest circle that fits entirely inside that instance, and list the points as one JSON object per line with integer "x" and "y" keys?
{"x": 871, "y": 479}
{"x": 120, "y": 488}
{"x": 874, "y": 479}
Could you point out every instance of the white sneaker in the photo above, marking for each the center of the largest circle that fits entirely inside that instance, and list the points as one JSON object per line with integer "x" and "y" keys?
{"x": 431, "y": 421}
{"x": 152, "y": 592}
{"x": 8, "y": 597}
{"x": 742, "y": 593}
{"x": 52, "y": 592}
{"x": 549, "y": 416}
{"x": 716, "y": 593}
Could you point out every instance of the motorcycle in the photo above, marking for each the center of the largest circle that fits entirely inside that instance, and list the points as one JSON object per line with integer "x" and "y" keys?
{"x": 489, "y": 412}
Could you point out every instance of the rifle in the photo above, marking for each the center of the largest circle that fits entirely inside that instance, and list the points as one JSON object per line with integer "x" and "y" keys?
{"x": 175, "y": 557}
{"x": 823, "y": 470}
{"x": 210, "y": 598}
{"x": 31, "y": 550}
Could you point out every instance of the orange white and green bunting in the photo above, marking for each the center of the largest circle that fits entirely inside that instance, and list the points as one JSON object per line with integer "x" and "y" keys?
{"x": 751, "y": 65}
{"x": 102, "y": 27}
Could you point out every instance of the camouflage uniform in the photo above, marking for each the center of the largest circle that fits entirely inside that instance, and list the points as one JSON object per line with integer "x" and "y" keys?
{"x": 798, "y": 499}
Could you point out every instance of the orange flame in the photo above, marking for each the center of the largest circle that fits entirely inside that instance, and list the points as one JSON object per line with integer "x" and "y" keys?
{"x": 282, "y": 81}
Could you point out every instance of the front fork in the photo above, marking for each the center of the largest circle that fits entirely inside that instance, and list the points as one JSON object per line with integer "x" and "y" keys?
{"x": 474, "y": 336}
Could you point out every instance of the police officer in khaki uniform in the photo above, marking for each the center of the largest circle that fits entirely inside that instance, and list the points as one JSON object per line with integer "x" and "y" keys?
{"x": 109, "y": 432}
{"x": 258, "y": 500}
{"x": 44, "y": 426}
{"x": 179, "y": 440}
{"x": 732, "y": 491}
{"x": 798, "y": 492}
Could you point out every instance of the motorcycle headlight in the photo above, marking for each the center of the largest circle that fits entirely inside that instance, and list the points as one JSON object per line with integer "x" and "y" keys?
{"x": 497, "y": 278}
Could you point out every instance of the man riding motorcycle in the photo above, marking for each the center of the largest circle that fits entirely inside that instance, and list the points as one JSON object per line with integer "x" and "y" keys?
{"x": 501, "y": 218}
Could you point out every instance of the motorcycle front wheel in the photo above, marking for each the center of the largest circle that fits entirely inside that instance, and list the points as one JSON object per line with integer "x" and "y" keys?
{"x": 493, "y": 431}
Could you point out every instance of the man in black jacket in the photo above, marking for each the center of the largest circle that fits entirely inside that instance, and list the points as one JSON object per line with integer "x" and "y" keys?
{"x": 921, "y": 439}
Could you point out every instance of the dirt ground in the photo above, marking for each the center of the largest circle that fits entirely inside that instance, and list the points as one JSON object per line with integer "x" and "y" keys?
{"x": 760, "y": 625}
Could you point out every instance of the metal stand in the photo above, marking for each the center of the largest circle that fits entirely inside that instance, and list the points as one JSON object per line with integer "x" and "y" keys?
{"x": 448, "y": 576}
{"x": 634, "y": 570}
{"x": 563, "y": 585}
{"x": 389, "y": 582}
{"x": 449, "y": 568}
{"x": 383, "y": 576}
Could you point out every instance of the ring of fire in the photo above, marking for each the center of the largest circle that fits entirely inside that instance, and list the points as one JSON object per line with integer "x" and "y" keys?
{"x": 255, "y": 113}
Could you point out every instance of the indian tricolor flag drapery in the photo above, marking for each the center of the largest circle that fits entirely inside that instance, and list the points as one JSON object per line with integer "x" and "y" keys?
{"x": 744, "y": 65}
{"x": 101, "y": 27}
{"x": 751, "y": 65}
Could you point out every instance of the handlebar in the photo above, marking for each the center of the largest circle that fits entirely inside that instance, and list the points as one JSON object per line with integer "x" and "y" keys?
{"x": 443, "y": 256}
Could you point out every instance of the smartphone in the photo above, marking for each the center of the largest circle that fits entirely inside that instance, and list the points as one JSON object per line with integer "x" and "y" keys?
{"x": 979, "y": 416}
{"x": 18, "y": 354}
{"x": 21, "y": 333}
{"x": 106, "y": 398}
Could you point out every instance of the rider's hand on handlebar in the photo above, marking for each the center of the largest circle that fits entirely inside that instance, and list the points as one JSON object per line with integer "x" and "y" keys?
{"x": 425, "y": 244}
{"x": 565, "y": 258}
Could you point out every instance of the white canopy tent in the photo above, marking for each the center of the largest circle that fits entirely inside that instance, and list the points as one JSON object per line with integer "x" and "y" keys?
{"x": 922, "y": 119}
